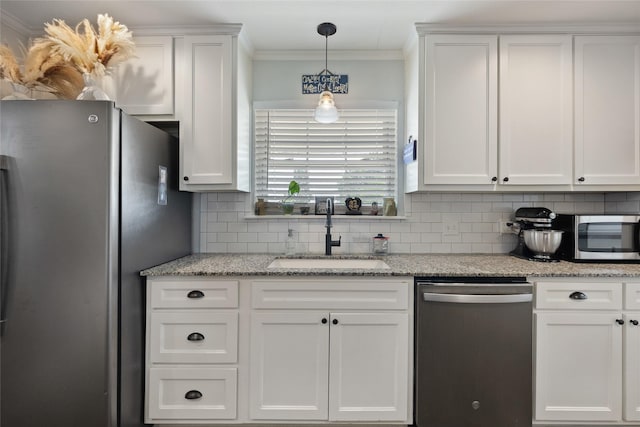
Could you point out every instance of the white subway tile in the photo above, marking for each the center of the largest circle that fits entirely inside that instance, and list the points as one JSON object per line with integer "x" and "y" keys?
{"x": 223, "y": 227}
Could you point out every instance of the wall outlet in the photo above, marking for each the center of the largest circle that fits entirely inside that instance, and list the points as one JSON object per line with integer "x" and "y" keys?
{"x": 504, "y": 226}
{"x": 451, "y": 228}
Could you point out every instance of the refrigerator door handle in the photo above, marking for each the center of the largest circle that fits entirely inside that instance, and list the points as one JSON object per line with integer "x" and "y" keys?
{"x": 4, "y": 229}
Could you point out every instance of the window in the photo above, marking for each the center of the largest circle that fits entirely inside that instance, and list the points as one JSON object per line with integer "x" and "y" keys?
{"x": 354, "y": 157}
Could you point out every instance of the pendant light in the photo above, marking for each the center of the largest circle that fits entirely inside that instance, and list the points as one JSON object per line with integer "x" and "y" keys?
{"x": 326, "y": 111}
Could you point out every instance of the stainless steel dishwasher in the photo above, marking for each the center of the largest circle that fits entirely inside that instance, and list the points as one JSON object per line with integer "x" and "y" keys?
{"x": 473, "y": 361}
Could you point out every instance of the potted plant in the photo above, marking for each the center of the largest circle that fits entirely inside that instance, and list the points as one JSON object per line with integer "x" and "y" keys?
{"x": 287, "y": 203}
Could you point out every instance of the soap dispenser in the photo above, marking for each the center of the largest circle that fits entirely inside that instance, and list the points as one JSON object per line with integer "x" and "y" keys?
{"x": 290, "y": 244}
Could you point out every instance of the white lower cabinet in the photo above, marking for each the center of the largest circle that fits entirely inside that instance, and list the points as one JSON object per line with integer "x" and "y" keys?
{"x": 289, "y": 366}
{"x": 346, "y": 357}
{"x": 309, "y": 350}
{"x": 587, "y": 362}
{"x": 191, "y": 350}
{"x": 329, "y": 366}
{"x": 368, "y": 362}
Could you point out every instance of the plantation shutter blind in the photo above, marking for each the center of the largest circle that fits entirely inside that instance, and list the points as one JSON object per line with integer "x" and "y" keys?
{"x": 353, "y": 157}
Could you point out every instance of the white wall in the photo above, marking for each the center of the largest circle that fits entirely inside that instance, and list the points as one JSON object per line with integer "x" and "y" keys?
{"x": 369, "y": 80}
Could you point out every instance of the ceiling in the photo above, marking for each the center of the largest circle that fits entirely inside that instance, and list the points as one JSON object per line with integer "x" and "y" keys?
{"x": 291, "y": 24}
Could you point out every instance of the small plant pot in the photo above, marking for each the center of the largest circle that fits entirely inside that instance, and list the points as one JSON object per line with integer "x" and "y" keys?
{"x": 287, "y": 208}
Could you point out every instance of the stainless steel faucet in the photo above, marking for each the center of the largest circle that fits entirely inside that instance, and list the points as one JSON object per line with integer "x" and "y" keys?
{"x": 328, "y": 243}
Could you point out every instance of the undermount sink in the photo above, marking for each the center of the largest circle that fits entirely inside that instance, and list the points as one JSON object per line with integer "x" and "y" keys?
{"x": 329, "y": 264}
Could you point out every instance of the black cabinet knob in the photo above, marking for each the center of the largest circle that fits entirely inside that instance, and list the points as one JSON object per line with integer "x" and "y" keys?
{"x": 195, "y": 294}
{"x": 620, "y": 321}
{"x": 505, "y": 179}
{"x": 324, "y": 320}
{"x": 192, "y": 395}
{"x": 334, "y": 321}
{"x": 494, "y": 179}
{"x": 578, "y": 295}
{"x": 195, "y": 336}
{"x": 634, "y": 322}
{"x": 581, "y": 179}
{"x": 186, "y": 178}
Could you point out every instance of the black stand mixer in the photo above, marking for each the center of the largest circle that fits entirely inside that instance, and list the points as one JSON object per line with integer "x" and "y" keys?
{"x": 532, "y": 219}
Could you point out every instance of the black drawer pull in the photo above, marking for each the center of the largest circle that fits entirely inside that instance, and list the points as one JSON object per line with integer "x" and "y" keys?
{"x": 634, "y": 322}
{"x": 578, "y": 295}
{"x": 195, "y": 294}
{"x": 324, "y": 320}
{"x": 334, "y": 321}
{"x": 620, "y": 321}
{"x": 195, "y": 336}
{"x": 193, "y": 395}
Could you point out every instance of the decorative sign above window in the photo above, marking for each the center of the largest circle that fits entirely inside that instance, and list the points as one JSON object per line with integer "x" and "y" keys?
{"x": 316, "y": 83}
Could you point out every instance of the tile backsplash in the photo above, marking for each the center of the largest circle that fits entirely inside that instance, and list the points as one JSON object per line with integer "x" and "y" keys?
{"x": 429, "y": 222}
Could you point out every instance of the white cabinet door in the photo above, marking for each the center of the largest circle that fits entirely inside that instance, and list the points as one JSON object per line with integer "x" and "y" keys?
{"x": 460, "y": 109}
{"x": 289, "y": 365}
{"x": 607, "y": 110}
{"x": 206, "y": 126}
{"x": 369, "y": 367}
{"x": 632, "y": 366}
{"x": 578, "y": 366}
{"x": 143, "y": 85}
{"x": 536, "y": 115}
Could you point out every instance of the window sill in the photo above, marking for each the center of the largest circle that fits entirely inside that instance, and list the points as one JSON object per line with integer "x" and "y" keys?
{"x": 343, "y": 216}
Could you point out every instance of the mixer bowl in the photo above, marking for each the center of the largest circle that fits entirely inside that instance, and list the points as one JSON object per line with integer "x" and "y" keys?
{"x": 543, "y": 243}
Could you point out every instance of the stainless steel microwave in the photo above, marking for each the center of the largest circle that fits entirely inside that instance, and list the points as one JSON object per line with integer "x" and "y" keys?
{"x": 599, "y": 238}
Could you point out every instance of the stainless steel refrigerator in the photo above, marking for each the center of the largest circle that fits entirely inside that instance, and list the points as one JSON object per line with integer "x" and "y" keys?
{"x": 88, "y": 198}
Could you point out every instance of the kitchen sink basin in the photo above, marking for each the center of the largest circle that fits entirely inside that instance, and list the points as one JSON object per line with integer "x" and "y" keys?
{"x": 329, "y": 264}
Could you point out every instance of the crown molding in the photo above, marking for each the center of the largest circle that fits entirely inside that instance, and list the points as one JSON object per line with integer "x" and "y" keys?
{"x": 191, "y": 30}
{"x": 538, "y": 28}
{"x": 410, "y": 44}
{"x": 334, "y": 55}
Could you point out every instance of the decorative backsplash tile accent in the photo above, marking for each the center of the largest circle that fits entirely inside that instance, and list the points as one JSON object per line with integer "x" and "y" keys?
{"x": 428, "y": 222}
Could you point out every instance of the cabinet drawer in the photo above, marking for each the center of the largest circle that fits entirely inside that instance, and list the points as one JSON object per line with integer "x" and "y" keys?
{"x": 578, "y": 296}
{"x": 330, "y": 294}
{"x": 193, "y": 293}
{"x": 201, "y": 337}
{"x": 190, "y": 393}
{"x": 632, "y": 296}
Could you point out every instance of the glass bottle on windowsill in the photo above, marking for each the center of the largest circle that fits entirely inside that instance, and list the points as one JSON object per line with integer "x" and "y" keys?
{"x": 290, "y": 244}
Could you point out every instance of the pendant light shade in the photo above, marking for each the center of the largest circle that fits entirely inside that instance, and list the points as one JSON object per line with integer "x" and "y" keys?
{"x": 326, "y": 111}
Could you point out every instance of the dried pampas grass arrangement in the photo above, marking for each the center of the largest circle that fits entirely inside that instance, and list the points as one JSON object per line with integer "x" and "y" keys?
{"x": 9, "y": 68}
{"x": 90, "y": 51}
{"x": 56, "y": 63}
{"x": 51, "y": 70}
{"x": 44, "y": 70}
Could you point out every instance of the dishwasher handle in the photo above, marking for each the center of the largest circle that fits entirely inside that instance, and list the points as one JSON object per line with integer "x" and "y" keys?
{"x": 478, "y": 299}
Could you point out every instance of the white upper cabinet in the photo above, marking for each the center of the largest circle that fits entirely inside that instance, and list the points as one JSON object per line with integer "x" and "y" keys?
{"x": 607, "y": 110}
{"x": 511, "y": 108}
{"x": 467, "y": 139}
{"x": 535, "y": 110}
{"x": 207, "y": 114}
{"x": 214, "y": 148}
{"x": 460, "y": 109}
{"x": 143, "y": 85}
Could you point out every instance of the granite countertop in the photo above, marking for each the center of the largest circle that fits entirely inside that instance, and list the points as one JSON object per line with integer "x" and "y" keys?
{"x": 205, "y": 264}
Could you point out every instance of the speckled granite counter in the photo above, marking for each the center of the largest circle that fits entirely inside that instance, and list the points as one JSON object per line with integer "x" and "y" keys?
{"x": 401, "y": 265}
